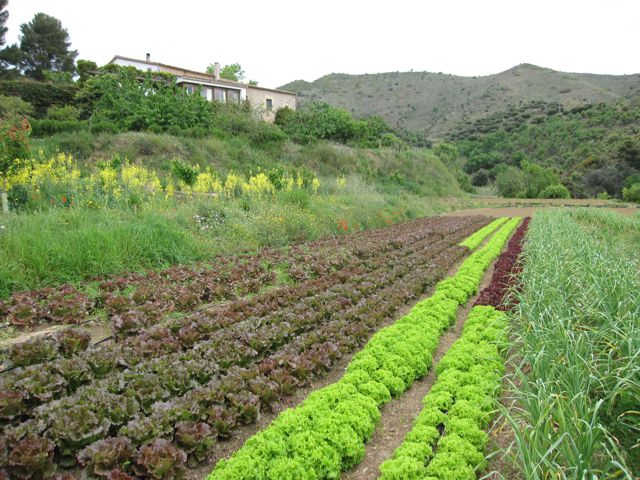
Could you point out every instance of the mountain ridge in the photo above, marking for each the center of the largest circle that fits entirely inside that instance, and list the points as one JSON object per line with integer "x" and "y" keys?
{"x": 435, "y": 104}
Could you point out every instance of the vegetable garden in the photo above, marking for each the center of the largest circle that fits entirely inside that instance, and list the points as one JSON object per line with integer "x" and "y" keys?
{"x": 197, "y": 354}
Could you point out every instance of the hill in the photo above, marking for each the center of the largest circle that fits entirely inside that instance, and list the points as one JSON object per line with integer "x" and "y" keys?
{"x": 435, "y": 104}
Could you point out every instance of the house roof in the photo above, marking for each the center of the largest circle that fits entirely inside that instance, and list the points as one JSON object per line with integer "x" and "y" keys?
{"x": 186, "y": 73}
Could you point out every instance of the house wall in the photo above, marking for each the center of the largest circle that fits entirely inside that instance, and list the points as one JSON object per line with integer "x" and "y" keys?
{"x": 258, "y": 99}
{"x": 143, "y": 66}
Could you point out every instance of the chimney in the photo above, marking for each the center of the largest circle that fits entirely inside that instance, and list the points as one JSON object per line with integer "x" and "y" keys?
{"x": 216, "y": 70}
{"x": 148, "y": 57}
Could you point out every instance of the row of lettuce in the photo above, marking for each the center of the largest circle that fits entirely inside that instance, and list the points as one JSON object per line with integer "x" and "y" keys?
{"x": 448, "y": 436}
{"x": 325, "y": 435}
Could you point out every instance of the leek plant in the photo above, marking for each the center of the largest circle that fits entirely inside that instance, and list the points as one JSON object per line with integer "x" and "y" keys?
{"x": 576, "y": 334}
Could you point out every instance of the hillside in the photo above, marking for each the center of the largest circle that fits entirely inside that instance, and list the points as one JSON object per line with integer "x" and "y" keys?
{"x": 434, "y": 104}
{"x": 594, "y": 148}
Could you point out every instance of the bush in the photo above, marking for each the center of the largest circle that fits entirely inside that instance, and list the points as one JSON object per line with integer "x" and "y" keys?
{"x": 537, "y": 178}
{"x": 632, "y": 180}
{"x": 63, "y": 113}
{"x": 320, "y": 121}
{"x": 510, "y": 183}
{"x": 46, "y": 127}
{"x": 11, "y": 106}
{"x": 39, "y": 94}
{"x": 555, "y": 191}
{"x": 480, "y": 178}
{"x": 632, "y": 194}
{"x": 184, "y": 172}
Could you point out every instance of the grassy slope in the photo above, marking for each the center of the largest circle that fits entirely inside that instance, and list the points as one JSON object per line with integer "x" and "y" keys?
{"x": 435, "y": 103}
{"x": 60, "y": 245}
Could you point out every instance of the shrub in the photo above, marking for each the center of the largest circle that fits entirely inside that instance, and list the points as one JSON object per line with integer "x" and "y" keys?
{"x": 632, "y": 180}
{"x": 63, "y": 113}
{"x": 184, "y": 172}
{"x": 510, "y": 183}
{"x": 46, "y": 127}
{"x": 480, "y": 178}
{"x": 632, "y": 194}
{"x": 39, "y": 94}
{"x": 11, "y": 106}
{"x": 555, "y": 191}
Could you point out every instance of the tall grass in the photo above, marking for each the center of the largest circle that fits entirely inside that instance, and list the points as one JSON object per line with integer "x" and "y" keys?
{"x": 577, "y": 340}
{"x": 59, "y": 245}
{"x": 620, "y": 231}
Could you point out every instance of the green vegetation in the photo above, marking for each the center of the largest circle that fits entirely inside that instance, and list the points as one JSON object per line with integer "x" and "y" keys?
{"x": 474, "y": 241}
{"x": 124, "y": 216}
{"x": 576, "y": 350}
{"x": 325, "y": 434}
{"x": 44, "y": 51}
{"x": 461, "y": 401}
{"x": 319, "y": 120}
{"x": 590, "y": 150}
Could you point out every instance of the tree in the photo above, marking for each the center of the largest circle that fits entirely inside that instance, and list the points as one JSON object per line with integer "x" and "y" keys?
{"x": 510, "y": 183}
{"x": 229, "y": 72}
{"x": 537, "y": 178}
{"x": 232, "y": 72}
{"x": 4, "y": 15}
{"x": 45, "y": 45}
{"x": 85, "y": 69}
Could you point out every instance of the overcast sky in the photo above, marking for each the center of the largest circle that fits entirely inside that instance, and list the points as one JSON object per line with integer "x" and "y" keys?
{"x": 278, "y": 41}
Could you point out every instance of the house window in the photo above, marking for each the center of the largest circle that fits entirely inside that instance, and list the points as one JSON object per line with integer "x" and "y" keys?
{"x": 219, "y": 94}
{"x": 190, "y": 89}
{"x": 269, "y": 104}
{"x": 233, "y": 96}
{"x": 204, "y": 91}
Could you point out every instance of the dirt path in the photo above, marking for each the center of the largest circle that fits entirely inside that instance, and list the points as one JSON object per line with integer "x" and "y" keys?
{"x": 398, "y": 415}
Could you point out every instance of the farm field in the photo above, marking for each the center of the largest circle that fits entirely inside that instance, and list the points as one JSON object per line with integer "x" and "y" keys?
{"x": 163, "y": 375}
{"x": 317, "y": 362}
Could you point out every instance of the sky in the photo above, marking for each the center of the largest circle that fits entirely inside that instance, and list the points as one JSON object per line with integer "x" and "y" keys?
{"x": 278, "y": 41}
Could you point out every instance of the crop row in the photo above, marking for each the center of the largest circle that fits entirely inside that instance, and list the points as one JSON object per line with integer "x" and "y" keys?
{"x": 325, "y": 435}
{"x": 576, "y": 328}
{"x": 447, "y": 439}
{"x": 474, "y": 241}
{"x": 357, "y": 255}
{"x": 505, "y": 272}
{"x": 133, "y": 347}
{"x": 185, "y": 288}
{"x": 164, "y": 394}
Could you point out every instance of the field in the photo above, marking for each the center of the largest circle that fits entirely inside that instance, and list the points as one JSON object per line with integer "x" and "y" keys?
{"x": 442, "y": 347}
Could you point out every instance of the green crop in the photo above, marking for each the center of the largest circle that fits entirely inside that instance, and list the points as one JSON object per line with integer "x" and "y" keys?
{"x": 325, "y": 435}
{"x": 473, "y": 241}
{"x": 459, "y": 405}
{"x": 577, "y": 337}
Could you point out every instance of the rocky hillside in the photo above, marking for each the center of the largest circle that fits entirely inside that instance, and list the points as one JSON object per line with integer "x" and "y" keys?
{"x": 437, "y": 104}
